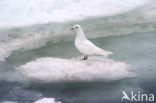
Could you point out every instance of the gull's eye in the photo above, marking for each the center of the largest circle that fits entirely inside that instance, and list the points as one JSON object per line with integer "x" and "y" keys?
{"x": 76, "y": 27}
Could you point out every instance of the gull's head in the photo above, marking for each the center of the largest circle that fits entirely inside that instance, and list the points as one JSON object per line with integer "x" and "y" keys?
{"x": 75, "y": 27}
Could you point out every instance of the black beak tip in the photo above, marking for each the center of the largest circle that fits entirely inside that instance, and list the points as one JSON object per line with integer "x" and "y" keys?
{"x": 72, "y": 29}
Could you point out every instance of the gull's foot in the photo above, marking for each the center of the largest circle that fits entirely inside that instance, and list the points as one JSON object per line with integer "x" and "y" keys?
{"x": 85, "y": 57}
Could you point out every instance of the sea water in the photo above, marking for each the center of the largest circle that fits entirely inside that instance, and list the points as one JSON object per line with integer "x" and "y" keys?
{"x": 128, "y": 30}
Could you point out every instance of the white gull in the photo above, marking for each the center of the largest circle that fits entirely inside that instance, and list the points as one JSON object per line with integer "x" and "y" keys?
{"x": 85, "y": 46}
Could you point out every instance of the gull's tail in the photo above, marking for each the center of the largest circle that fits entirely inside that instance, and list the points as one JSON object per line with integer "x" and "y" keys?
{"x": 106, "y": 53}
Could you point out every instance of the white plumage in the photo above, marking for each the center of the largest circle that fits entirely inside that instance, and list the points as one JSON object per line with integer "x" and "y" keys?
{"x": 85, "y": 46}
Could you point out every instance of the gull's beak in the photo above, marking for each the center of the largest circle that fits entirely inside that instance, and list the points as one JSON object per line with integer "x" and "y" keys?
{"x": 72, "y": 29}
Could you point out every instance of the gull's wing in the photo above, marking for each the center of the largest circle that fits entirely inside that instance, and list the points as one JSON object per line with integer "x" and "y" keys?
{"x": 88, "y": 47}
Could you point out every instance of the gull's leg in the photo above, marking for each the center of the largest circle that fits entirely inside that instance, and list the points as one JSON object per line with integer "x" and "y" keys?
{"x": 85, "y": 57}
